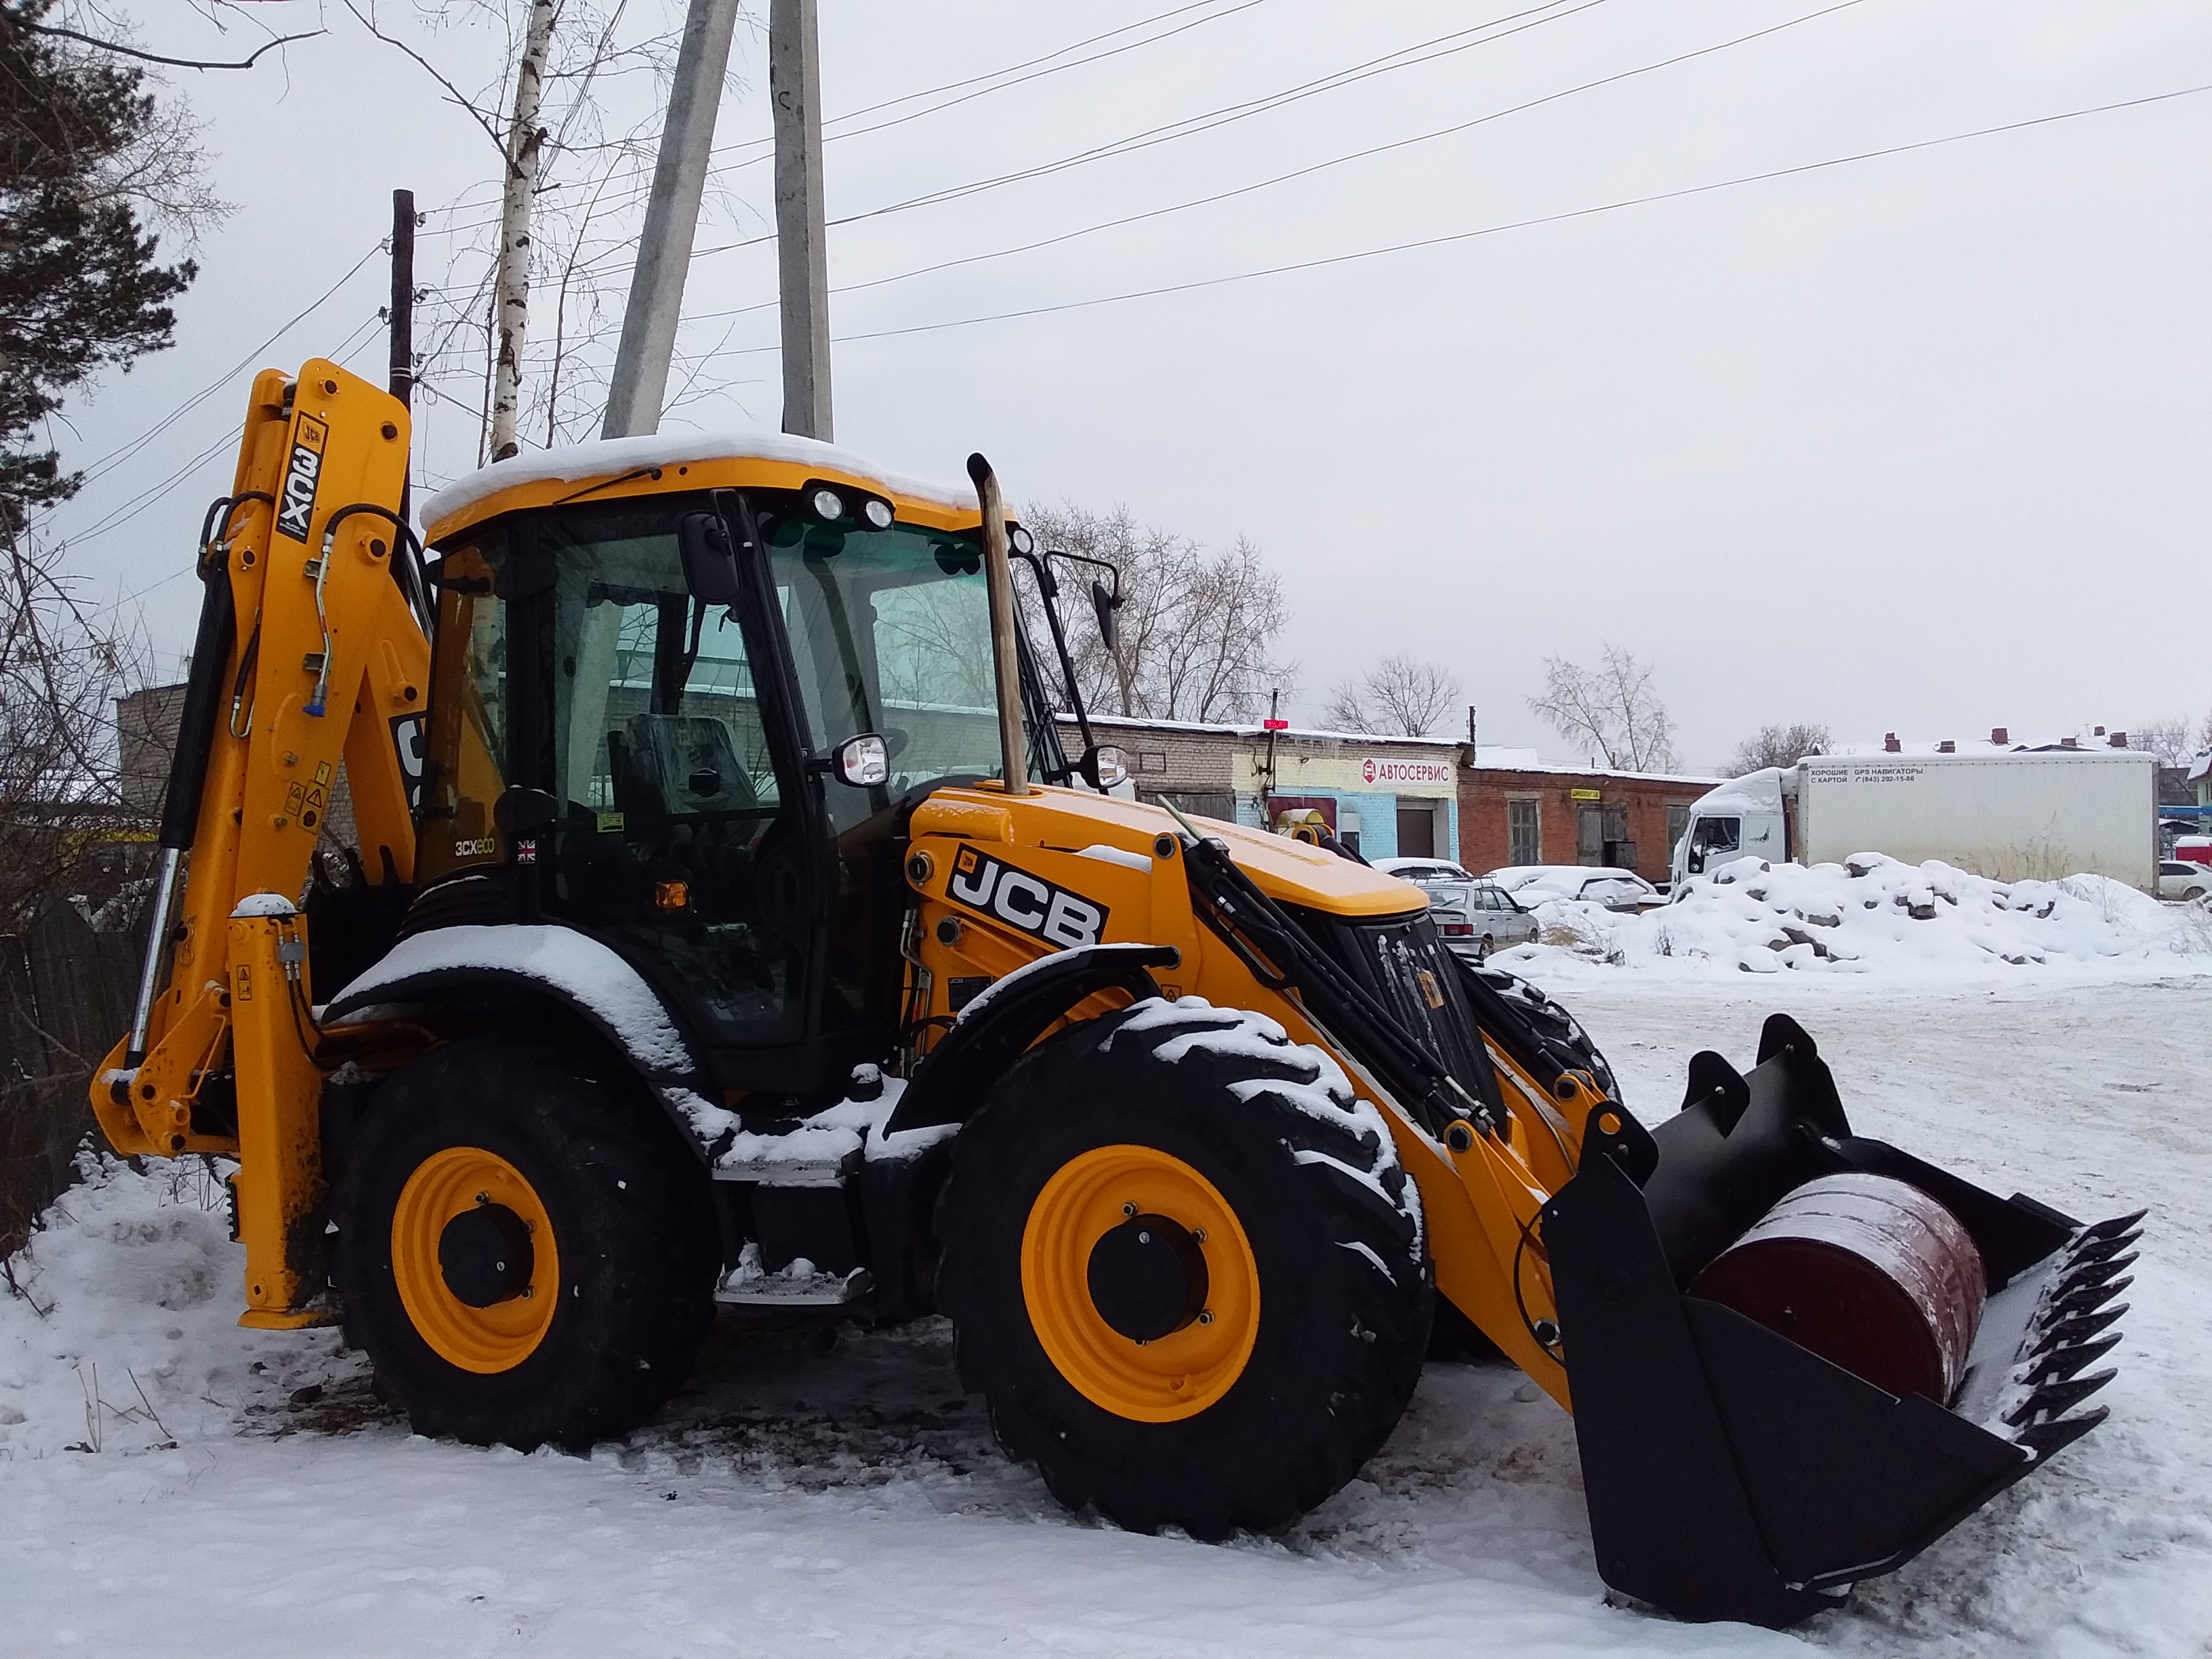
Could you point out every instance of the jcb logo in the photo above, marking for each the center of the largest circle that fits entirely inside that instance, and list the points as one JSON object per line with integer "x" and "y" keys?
{"x": 295, "y": 502}
{"x": 1053, "y": 914}
{"x": 407, "y": 735}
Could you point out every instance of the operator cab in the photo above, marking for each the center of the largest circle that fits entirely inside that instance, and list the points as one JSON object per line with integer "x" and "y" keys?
{"x": 643, "y": 708}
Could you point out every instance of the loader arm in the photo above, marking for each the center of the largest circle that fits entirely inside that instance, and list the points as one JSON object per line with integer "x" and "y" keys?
{"x": 310, "y": 655}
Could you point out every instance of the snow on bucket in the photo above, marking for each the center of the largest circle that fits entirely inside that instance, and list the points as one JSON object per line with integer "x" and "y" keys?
{"x": 1869, "y": 1273}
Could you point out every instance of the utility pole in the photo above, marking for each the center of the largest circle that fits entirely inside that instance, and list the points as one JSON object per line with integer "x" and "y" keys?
{"x": 672, "y": 216}
{"x": 401, "y": 314}
{"x": 794, "y": 80}
{"x": 401, "y": 319}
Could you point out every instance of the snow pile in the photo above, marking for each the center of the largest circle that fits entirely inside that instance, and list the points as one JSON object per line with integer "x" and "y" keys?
{"x": 1875, "y": 913}
{"x": 120, "y": 1338}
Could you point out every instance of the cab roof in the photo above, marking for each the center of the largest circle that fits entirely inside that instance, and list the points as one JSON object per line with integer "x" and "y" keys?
{"x": 666, "y": 462}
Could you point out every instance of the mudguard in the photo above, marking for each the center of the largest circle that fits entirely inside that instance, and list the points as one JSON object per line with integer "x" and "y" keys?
{"x": 1012, "y": 1013}
{"x": 568, "y": 968}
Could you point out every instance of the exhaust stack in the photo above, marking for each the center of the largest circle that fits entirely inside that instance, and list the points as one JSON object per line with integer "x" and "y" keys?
{"x": 999, "y": 575}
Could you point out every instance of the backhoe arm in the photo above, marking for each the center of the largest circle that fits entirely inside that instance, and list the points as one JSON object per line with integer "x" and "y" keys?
{"x": 310, "y": 653}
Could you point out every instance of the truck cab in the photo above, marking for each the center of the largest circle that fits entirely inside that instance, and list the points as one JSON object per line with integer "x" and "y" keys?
{"x": 1744, "y": 818}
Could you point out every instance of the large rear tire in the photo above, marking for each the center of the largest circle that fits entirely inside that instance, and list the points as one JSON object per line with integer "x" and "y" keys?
{"x": 524, "y": 1254}
{"x": 1185, "y": 1268}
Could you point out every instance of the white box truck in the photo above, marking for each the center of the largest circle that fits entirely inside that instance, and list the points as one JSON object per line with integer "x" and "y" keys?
{"x": 2011, "y": 816}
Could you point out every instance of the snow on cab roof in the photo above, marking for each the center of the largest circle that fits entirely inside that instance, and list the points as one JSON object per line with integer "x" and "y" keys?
{"x": 608, "y": 458}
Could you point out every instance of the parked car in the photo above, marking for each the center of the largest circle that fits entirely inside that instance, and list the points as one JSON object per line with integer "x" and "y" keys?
{"x": 1616, "y": 890}
{"x": 1474, "y": 917}
{"x": 2181, "y": 878}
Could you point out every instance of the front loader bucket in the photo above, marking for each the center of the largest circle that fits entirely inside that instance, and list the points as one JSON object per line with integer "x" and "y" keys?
{"x": 1732, "y": 1474}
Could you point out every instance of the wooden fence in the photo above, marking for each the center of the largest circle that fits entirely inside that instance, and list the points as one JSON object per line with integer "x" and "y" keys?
{"x": 65, "y": 994}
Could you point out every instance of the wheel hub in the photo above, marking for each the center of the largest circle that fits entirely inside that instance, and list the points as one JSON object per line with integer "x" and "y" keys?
{"x": 484, "y": 1255}
{"x": 1147, "y": 1278}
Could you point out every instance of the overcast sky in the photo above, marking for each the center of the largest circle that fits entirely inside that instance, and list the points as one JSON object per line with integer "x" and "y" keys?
{"x": 1917, "y": 443}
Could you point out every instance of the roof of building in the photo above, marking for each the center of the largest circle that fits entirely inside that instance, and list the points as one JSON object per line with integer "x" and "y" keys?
{"x": 1130, "y": 723}
{"x": 1490, "y": 759}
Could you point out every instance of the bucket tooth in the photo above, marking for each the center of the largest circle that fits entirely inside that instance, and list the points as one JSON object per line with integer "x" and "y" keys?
{"x": 2062, "y": 1363}
{"x": 2080, "y": 1328}
{"x": 2044, "y": 1438}
{"x": 2053, "y": 1398}
{"x": 2102, "y": 1249}
{"x": 2086, "y": 1299}
{"x": 2097, "y": 1273}
{"x": 2114, "y": 1227}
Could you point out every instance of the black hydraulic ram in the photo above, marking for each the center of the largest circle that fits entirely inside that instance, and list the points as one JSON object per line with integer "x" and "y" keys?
{"x": 188, "y": 762}
{"x": 1733, "y": 1473}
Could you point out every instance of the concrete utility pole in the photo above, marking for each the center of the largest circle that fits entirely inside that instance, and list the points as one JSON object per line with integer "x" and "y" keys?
{"x": 794, "y": 80}
{"x": 672, "y": 216}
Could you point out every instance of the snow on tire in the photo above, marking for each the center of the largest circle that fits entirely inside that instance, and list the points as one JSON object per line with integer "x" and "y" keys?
{"x": 1178, "y": 1150}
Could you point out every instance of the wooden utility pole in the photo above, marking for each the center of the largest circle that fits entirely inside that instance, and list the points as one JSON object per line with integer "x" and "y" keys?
{"x": 401, "y": 314}
{"x": 525, "y": 143}
{"x": 795, "y": 81}
{"x": 671, "y": 216}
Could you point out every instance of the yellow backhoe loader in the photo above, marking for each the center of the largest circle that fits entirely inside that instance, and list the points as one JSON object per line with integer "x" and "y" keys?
{"x": 729, "y": 925}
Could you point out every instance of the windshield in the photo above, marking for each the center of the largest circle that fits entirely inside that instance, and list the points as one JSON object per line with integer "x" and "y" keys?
{"x": 891, "y": 633}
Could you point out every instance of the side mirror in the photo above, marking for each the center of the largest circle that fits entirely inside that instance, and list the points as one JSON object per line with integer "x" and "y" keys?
{"x": 1103, "y": 605}
{"x": 710, "y": 569}
{"x": 517, "y": 812}
{"x": 863, "y": 761}
{"x": 1103, "y": 766}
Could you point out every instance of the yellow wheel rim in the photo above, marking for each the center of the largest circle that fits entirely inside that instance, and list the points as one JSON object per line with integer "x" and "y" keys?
{"x": 448, "y": 1184}
{"x": 1172, "y": 1376}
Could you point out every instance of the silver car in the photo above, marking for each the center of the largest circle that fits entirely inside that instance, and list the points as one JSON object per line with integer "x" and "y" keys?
{"x": 1474, "y": 917}
{"x": 2183, "y": 879}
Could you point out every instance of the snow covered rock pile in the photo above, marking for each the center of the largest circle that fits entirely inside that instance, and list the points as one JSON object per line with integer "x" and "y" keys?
{"x": 1874, "y": 914}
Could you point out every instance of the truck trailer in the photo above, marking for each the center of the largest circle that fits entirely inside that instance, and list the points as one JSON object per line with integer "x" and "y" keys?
{"x": 2015, "y": 816}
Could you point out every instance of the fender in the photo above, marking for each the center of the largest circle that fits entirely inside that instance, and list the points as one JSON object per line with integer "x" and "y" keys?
{"x": 1012, "y": 1013}
{"x": 577, "y": 972}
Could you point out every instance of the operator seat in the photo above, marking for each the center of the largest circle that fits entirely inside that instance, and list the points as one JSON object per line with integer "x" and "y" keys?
{"x": 677, "y": 766}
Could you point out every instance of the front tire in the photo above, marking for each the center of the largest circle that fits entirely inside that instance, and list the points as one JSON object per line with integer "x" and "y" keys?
{"x": 1185, "y": 1268}
{"x": 523, "y": 1252}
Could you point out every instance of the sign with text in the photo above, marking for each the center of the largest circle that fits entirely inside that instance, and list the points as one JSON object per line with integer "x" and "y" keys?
{"x": 1390, "y": 768}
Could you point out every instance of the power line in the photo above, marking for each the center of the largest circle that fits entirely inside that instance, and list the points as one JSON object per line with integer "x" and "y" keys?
{"x": 954, "y": 86}
{"x": 1301, "y": 172}
{"x": 1499, "y": 229}
{"x": 1206, "y": 122}
{"x": 641, "y": 181}
{"x": 130, "y": 509}
{"x": 115, "y": 458}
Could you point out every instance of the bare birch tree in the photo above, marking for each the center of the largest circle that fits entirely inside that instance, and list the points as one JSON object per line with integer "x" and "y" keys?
{"x": 1196, "y": 637}
{"x": 570, "y": 192}
{"x": 1402, "y": 695}
{"x": 1612, "y": 711}
{"x": 525, "y": 150}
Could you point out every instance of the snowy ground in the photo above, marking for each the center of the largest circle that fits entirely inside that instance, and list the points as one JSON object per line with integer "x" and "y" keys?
{"x": 247, "y": 1497}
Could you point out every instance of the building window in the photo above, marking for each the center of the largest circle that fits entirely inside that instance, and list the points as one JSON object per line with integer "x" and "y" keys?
{"x": 1524, "y": 832}
{"x": 1152, "y": 760}
{"x": 1678, "y": 820}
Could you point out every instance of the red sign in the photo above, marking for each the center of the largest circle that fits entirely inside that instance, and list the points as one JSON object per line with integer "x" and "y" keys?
{"x": 1274, "y": 726}
{"x": 1392, "y": 771}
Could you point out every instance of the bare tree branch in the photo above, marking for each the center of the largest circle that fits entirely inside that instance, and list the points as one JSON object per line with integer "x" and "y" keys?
{"x": 1197, "y": 633}
{"x": 1611, "y": 710}
{"x": 156, "y": 58}
{"x": 1780, "y": 745}
{"x": 491, "y": 132}
{"x": 1401, "y": 696}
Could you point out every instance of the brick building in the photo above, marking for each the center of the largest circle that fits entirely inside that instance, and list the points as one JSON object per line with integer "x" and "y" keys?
{"x": 1515, "y": 808}
{"x": 1388, "y": 797}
